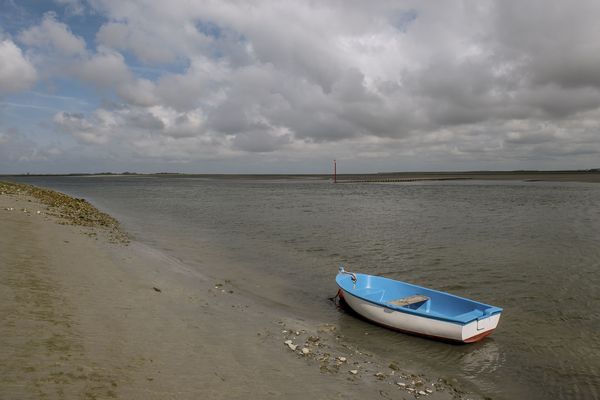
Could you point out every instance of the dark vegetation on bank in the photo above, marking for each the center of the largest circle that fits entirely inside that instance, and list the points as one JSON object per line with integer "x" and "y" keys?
{"x": 71, "y": 210}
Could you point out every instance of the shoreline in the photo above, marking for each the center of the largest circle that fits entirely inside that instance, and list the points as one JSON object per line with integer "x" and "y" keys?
{"x": 589, "y": 176}
{"x": 87, "y": 315}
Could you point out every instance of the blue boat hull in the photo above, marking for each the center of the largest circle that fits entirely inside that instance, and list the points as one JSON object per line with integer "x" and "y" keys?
{"x": 417, "y": 310}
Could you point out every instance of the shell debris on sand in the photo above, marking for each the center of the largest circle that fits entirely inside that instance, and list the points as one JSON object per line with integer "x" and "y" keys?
{"x": 291, "y": 345}
{"x": 360, "y": 365}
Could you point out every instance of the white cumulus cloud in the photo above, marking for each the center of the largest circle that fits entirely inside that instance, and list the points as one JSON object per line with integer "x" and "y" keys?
{"x": 16, "y": 72}
{"x": 53, "y": 34}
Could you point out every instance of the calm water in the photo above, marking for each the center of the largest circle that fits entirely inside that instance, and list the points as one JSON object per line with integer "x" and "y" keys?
{"x": 532, "y": 248}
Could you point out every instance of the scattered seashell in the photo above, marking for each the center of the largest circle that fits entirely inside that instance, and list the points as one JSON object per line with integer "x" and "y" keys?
{"x": 401, "y": 384}
{"x": 326, "y": 328}
{"x": 353, "y": 371}
{"x": 422, "y": 393}
{"x": 293, "y": 346}
{"x": 288, "y": 342}
{"x": 305, "y": 350}
{"x": 429, "y": 390}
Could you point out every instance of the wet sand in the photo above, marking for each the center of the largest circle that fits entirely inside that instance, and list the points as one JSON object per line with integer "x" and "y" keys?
{"x": 85, "y": 316}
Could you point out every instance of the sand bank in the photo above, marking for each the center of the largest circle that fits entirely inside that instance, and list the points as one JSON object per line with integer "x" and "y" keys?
{"x": 83, "y": 316}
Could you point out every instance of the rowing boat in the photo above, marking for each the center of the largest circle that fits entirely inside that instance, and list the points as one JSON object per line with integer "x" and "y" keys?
{"x": 415, "y": 309}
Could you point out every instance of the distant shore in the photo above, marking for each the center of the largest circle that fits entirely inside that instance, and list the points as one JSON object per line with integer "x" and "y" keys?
{"x": 591, "y": 175}
{"x": 84, "y": 313}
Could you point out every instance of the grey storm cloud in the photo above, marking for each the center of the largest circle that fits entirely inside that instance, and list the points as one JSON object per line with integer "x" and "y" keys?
{"x": 476, "y": 77}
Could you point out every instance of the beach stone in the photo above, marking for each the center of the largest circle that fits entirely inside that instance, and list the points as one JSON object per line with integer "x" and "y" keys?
{"x": 401, "y": 384}
{"x": 429, "y": 390}
{"x": 342, "y": 359}
{"x": 305, "y": 350}
{"x": 288, "y": 342}
{"x": 353, "y": 371}
{"x": 380, "y": 376}
{"x": 421, "y": 392}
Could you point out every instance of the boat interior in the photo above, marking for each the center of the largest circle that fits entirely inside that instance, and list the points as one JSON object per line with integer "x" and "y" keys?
{"x": 404, "y": 296}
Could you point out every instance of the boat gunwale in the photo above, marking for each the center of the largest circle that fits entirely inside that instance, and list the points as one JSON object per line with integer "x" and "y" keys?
{"x": 497, "y": 310}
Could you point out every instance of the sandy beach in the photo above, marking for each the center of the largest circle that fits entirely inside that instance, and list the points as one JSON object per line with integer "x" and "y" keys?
{"x": 87, "y": 316}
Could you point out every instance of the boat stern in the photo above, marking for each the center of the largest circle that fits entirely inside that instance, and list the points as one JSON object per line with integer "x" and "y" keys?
{"x": 481, "y": 327}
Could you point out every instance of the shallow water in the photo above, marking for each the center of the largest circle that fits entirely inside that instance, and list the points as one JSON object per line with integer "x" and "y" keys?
{"x": 529, "y": 247}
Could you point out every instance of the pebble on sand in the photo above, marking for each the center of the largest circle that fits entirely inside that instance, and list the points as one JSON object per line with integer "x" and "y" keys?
{"x": 305, "y": 350}
{"x": 342, "y": 359}
{"x": 380, "y": 376}
{"x": 353, "y": 371}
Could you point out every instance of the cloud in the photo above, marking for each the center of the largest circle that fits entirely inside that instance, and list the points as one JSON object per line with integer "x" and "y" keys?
{"x": 486, "y": 82}
{"x": 72, "y": 7}
{"x": 55, "y": 35}
{"x": 140, "y": 92}
{"x": 16, "y": 72}
{"x": 106, "y": 69}
{"x": 80, "y": 128}
{"x": 143, "y": 43}
{"x": 16, "y": 147}
{"x": 261, "y": 141}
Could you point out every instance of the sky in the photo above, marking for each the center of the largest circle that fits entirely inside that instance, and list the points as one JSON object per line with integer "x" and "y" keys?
{"x": 286, "y": 86}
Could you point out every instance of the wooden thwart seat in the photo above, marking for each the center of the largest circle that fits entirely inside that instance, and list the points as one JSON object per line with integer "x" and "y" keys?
{"x": 406, "y": 301}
